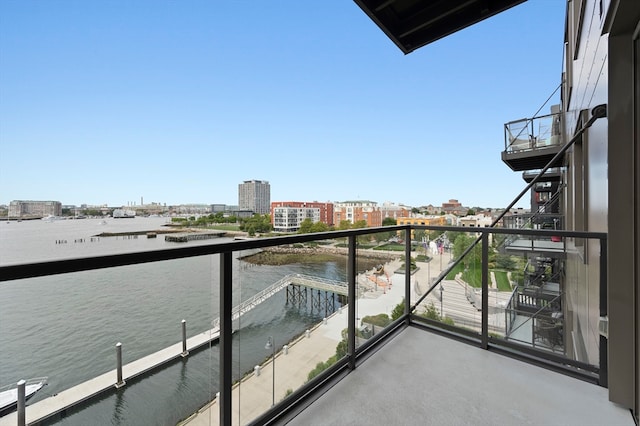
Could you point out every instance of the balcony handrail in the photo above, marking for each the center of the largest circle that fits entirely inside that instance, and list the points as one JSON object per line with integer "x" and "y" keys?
{"x": 535, "y": 115}
{"x": 21, "y": 271}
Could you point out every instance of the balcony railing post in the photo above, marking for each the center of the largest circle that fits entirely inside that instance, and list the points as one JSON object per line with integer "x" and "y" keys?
{"x": 351, "y": 300}
{"x": 485, "y": 290}
{"x": 407, "y": 275}
{"x": 604, "y": 350}
{"x": 226, "y": 353}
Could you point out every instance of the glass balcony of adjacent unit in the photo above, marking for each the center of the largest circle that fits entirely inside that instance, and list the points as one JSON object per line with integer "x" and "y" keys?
{"x": 553, "y": 175}
{"x": 547, "y": 242}
{"x": 531, "y": 143}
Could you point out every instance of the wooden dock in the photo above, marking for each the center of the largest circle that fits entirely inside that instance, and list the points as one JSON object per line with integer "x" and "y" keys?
{"x": 59, "y": 402}
{"x": 193, "y": 236}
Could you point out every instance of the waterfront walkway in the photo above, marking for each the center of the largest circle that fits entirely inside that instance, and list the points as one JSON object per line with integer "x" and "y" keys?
{"x": 253, "y": 395}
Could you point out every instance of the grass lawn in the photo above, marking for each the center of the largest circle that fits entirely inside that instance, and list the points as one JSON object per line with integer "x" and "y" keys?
{"x": 502, "y": 281}
{"x": 221, "y": 227}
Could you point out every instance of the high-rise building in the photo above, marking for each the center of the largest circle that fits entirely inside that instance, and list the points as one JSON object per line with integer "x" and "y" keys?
{"x": 255, "y": 195}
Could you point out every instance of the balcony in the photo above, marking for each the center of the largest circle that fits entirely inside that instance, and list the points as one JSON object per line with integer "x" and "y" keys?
{"x": 457, "y": 349}
{"x": 532, "y": 143}
{"x": 552, "y": 175}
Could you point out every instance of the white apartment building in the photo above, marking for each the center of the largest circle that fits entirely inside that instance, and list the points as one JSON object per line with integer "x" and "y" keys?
{"x": 289, "y": 219}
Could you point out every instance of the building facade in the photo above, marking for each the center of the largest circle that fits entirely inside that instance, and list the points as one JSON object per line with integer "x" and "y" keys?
{"x": 23, "y": 209}
{"x": 355, "y": 211}
{"x": 454, "y": 207}
{"x": 394, "y": 211}
{"x": 287, "y": 208}
{"x": 595, "y": 177}
{"x": 289, "y": 219}
{"x": 255, "y": 195}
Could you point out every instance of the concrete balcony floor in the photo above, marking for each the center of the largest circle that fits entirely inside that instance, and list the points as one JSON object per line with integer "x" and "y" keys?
{"x": 423, "y": 378}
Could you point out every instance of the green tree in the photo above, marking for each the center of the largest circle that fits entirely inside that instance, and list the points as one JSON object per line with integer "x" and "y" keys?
{"x": 389, "y": 221}
{"x": 306, "y": 226}
{"x": 359, "y": 224}
{"x": 381, "y": 320}
{"x": 344, "y": 225}
{"x": 341, "y": 349}
{"x": 319, "y": 227}
{"x": 398, "y": 311}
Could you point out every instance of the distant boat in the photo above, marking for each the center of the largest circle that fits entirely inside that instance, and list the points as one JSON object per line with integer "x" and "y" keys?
{"x": 102, "y": 222}
{"x": 9, "y": 393}
{"x": 124, "y": 213}
{"x": 51, "y": 218}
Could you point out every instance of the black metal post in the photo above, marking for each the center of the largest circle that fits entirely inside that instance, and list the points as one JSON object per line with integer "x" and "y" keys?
{"x": 604, "y": 341}
{"x": 225, "y": 337}
{"x": 407, "y": 275}
{"x": 485, "y": 290}
{"x": 351, "y": 301}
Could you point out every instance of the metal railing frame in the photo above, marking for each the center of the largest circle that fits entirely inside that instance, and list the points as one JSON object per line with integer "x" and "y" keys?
{"x": 355, "y": 353}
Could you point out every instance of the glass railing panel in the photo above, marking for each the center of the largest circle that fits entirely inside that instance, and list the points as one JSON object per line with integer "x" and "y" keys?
{"x": 532, "y": 133}
{"x": 380, "y": 278}
{"x": 456, "y": 300}
{"x": 292, "y": 322}
{"x": 542, "y": 296}
{"x": 66, "y": 327}
{"x": 554, "y": 303}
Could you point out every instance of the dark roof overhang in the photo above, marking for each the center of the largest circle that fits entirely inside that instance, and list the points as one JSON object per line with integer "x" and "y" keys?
{"x": 411, "y": 24}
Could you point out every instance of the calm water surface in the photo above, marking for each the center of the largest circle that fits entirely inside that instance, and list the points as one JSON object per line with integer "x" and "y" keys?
{"x": 66, "y": 326}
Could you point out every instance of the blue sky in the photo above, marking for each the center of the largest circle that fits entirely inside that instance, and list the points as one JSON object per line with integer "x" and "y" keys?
{"x": 105, "y": 102}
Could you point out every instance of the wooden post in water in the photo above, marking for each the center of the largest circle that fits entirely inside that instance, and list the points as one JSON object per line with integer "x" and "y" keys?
{"x": 120, "y": 382}
{"x": 21, "y": 403}
{"x": 185, "y": 352}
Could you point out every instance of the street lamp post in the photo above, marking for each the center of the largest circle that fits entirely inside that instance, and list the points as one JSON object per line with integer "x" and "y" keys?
{"x": 271, "y": 345}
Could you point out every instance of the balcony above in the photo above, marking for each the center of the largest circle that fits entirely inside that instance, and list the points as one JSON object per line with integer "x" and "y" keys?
{"x": 411, "y": 24}
{"x": 531, "y": 143}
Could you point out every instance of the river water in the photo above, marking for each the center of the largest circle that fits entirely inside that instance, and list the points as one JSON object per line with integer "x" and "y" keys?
{"x": 65, "y": 327}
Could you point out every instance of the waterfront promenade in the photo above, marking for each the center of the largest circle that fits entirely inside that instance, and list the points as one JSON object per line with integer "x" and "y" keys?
{"x": 253, "y": 396}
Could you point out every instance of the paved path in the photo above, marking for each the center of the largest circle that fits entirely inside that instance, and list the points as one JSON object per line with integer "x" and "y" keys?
{"x": 254, "y": 396}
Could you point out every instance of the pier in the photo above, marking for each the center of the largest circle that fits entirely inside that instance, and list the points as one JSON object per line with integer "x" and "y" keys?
{"x": 118, "y": 377}
{"x": 193, "y": 236}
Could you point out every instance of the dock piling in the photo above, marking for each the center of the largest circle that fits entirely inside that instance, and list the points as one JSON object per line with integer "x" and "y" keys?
{"x": 21, "y": 403}
{"x": 120, "y": 382}
{"x": 185, "y": 352}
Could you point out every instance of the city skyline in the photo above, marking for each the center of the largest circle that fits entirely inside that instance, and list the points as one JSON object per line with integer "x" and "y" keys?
{"x": 102, "y": 103}
{"x": 142, "y": 203}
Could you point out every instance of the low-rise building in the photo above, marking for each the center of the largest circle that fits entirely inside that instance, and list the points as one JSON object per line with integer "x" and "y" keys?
{"x": 28, "y": 209}
{"x": 356, "y": 211}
